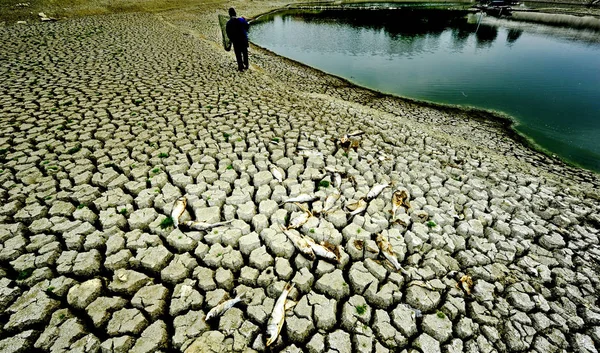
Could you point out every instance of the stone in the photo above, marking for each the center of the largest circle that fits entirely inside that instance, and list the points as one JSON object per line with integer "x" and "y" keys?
{"x": 404, "y": 318}
{"x": 260, "y": 258}
{"x": 340, "y": 341}
{"x": 303, "y": 280}
{"x": 324, "y": 311}
{"x": 154, "y": 258}
{"x": 188, "y": 327}
{"x": 101, "y": 309}
{"x": 20, "y": 343}
{"x": 316, "y": 343}
{"x": 142, "y": 218}
{"x": 32, "y": 308}
{"x": 249, "y": 243}
{"x": 121, "y": 344}
{"x": 422, "y": 298}
{"x": 437, "y": 326}
{"x": 209, "y": 342}
{"x": 153, "y": 338}
{"x": 231, "y": 320}
{"x": 128, "y": 281}
{"x": 427, "y": 344}
{"x": 126, "y": 321}
{"x": 360, "y": 278}
{"x": 81, "y": 295}
{"x": 151, "y": 299}
{"x": 179, "y": 268}
{"x": 333, "y": 285}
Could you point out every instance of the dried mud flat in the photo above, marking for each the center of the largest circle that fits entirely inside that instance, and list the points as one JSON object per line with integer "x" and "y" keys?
{"x": 107, "y": 120}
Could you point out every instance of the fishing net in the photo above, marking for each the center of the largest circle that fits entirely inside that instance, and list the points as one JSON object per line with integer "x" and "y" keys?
{"x": 223, "y": 23}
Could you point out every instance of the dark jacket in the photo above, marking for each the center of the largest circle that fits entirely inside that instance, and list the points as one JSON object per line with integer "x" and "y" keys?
{"x": 237, "y": 31}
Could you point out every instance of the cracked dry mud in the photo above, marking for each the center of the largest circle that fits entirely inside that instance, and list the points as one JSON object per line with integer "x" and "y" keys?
{"x": 107, "y": 120}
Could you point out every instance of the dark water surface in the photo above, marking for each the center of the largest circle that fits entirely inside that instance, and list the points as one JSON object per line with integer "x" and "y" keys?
{"x": 547, "y": 79}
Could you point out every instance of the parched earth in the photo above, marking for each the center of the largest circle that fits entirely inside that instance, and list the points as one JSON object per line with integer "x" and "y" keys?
{"x": 107, "y": 120}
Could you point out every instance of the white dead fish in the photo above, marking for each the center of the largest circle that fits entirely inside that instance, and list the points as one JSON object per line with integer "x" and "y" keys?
{"x": 326, "y": 251}
{"x": 223, "y": 307}
{"x": 355, "y": 133}
{"x": 299, "y": 220}
{"x": 388, "y": 252}
{"x": 357, "y": 207}
{"x": 278, "y": 315}
{"x": 376, "y": 190}
{"x": 466, "y": 284}
{"x": 197, "y": 225}
{"x": 330, "y": 202}
{"x": 300, "y": 198}
{"x": 299, "y": 242}
{"x": 337, "y": 180}
{"x": 178, "y": 209}
{"x": 309, "y": 153}
{"x": 399, "y": 199}
{"x": 277, "y": 174}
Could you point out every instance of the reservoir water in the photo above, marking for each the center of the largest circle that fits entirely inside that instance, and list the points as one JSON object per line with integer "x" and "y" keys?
{"x": 546, "y": 78}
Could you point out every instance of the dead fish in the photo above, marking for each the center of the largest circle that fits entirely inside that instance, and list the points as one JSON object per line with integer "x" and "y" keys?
{"x": 359, "y": 244}
{"x": 300, "y": 198}
{"x": 466, "y": 284}
{"x": 399, "y": 199}
{"x": 337, "y": 180}
{"x": 328, "y": 251}
{"x": 376, "y": 190}
{"x": 309, "y": 153}
{"x": 197, "y": 225}
{"x": 330, "y": 202}
{"x": 223, "y": 307}
{"x": 355, "y": 133}
{"x": 388, "y": 252}
{"x": 299, "y": 242}
{"x": 278, "y": 315}
{"x": 357, "y": 207}
{"x": 178, "y": 209}
{"x": 277, "y": 174}
{"x": 299, "y": 220}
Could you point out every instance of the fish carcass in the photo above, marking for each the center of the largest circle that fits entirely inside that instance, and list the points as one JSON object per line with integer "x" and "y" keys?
{"x": 278, "y": 315}
{"x": 197, "y": 225}
{"x": 299, "y": 242}
{"x": 223, "y": 307}
{"x": 178, "y": 208}
{"x": 376, "y": 190}
{"x": 388, "y": 252}
{"x": 300, "y": 198}
{"x": 327, "y": 251}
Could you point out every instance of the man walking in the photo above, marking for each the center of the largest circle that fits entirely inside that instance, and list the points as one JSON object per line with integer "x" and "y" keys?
{"x": 237, "y": 31}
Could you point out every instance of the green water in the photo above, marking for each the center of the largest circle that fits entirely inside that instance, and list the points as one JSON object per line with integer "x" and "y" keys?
{"x": 547, "y": 79}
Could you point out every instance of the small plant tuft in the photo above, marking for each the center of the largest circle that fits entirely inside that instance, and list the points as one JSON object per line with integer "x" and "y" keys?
{"x": 361, "y": 309}
{"x": 226, "y": 136}
{"x": 441, "y": 315}
{"x": 166, "y": 223}
{"x": 26, "y": 273}
{"x": 74, "y": 149}
{"x": 312, "y": 230}
{"x": 275, "y": 139}
{"x": 431, "y": 224}
{"x": 123, "y": 211}
{"x": 163, "y": 155}
{"x": 324, "y": 184}
{"x": 230, "y": 166}
{"x": 80, "y": 206}
{"x": 156, "y": 170}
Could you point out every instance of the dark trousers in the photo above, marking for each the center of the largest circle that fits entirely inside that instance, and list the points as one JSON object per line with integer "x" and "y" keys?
{"x": 241, "y": 55}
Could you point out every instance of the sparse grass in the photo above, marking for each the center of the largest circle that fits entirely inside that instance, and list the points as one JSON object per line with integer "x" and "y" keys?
{"x": 80, "y": 206}
{"x": 441, "y": 315}
{"x": 275, "y": 139}
{"x": 312, "y": 230}
{"x": 74, "y": 149}
{"x": 358, "y": 230}
{"x": 163, "y": 155}
{"x": 324, "y": 184}
{"x": 26, "y": 273}
{"x": 48, "y": 198}
{"x": 3, "y": 150}
{"x": 50, "y": 289}
{"x": 156, "y": 170}
{"x": 431, "y": 224}
{"x": 166, "y": 223}
{"x": 123, "y": 211}
{"x": 226, "y": 136}
{"x": 361, "y": 309}
{"x": 230, "y": 166}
